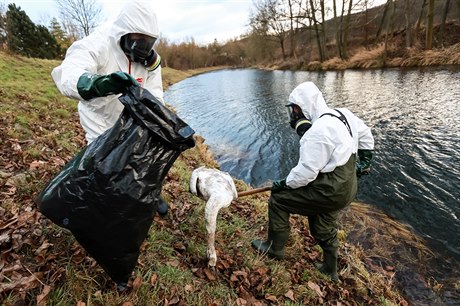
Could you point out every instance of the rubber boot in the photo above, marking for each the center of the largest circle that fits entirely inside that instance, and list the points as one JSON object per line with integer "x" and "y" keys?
{"x": 273, "y": 246}
{"x": 162, "y": 207}
{"x": 329, "y": 265}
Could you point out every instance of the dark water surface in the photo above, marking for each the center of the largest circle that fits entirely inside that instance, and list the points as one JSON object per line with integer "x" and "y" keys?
{"x": 414, "y": 114}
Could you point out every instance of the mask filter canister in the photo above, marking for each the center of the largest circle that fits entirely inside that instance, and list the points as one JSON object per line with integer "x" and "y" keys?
{"x": 297, "y": 119}
{"x": 301, "y": 126}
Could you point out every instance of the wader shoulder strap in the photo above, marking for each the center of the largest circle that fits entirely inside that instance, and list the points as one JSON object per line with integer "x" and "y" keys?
{"x": 341, "y": 118}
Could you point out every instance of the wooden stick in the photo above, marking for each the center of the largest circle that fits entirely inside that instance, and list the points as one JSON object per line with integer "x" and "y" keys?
{"x": 253, "y": 191}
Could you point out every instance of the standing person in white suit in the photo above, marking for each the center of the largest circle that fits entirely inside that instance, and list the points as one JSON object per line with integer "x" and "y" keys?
{"x": 104, "y": 64}
{"x": 335, "y": 148}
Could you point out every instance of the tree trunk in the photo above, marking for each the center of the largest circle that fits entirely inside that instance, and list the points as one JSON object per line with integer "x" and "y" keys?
{"x": 366, "y": 27}
{"x": 323, "y": 29}
{"x": 292, "y": 34}
{"x": 383, "y": 20}
{"x": 458, "y": 9}
{"x": 338, "y": 31}
{"x": 387, "y": 31}
{"x": 283, "y": 51}
{"x": 408, "y": 23}
{"x": 445, "y": 11}
{"x": 347, "y": 29}
{"x": 419, "y": 21}
{"x": 315, "y": 25}
{"x": 429, "y": 26}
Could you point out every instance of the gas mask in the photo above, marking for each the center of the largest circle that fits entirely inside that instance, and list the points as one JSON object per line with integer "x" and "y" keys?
{"x": 137, "y": 47}
{"x": 297, "y": 119}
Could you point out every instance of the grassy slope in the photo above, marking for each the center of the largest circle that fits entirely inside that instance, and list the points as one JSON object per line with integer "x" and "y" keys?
{"x": 39, "y": 132}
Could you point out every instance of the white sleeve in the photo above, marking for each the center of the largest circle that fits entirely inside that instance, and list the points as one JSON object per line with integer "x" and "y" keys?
{"x": 314, "y": 155}
{"x": 365, "y": 138}
{"x": 81, "y": 57}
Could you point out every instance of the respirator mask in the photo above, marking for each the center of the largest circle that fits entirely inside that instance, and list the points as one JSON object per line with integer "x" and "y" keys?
{"x": 297, "y": 119}
{"x": 138, "y": 47}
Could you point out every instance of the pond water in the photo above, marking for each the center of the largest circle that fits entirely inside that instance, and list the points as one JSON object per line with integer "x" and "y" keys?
{"x": 414, "y": 115}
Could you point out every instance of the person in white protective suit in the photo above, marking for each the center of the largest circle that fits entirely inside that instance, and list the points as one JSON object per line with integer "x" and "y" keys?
{"x": 336, "y": 147}
{"x": 99, "y": 67}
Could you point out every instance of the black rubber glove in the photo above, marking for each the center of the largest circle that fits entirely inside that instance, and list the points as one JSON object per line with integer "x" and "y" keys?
{"x": 278, "y": 186}
{"x": 91, "y": 86}
{"x": 363, "y": 166}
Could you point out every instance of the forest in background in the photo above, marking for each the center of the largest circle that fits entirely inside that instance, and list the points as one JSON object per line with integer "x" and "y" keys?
{"x": 282, "y": 34}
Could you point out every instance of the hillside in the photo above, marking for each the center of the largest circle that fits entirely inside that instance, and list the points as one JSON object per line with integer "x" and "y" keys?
{"x": 43, "y": 264}
{"x": 372, "y": 40}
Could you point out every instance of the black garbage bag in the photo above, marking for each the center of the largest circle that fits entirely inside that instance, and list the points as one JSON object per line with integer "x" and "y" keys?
{"x": 108, "y": 193}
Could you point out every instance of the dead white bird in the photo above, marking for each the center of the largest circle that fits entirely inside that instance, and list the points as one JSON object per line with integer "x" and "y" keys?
{"x": 219, "y": 190}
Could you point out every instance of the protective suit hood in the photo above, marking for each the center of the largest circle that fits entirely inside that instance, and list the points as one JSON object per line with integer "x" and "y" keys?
{"x": 310, "y": 99}
{"x": 135, "y": 17}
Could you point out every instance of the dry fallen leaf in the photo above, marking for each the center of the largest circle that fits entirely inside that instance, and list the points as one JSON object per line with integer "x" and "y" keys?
{"x": 36, "y": 164}
{"x": 42, "y": 249}
{"x": 174, "y": 300}
{"x": 271, "y": 298}
{"x": 209, "y": 274}
{"x": 173, "y": 263}
{"x": 315, "y": 288}
{"x": 41, "y": 298}
{"x": 188, "y": 288}
{"x": 290, "y": 295}
{"x": 153, "y": 279}
{"x": 137, "y": 283}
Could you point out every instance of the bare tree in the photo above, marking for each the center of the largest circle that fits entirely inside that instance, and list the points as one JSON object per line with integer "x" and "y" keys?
{"x": 429, "y": 26}
{"x": 458, "y": 9}
{"x": 84, "y": 15}
{"x": 407, "y": 9}
{"x": 384, "y": 18}
{"x": 269, "y": 20}
{"x": 347, "y": 27}
{"x": 294, "y": 15}
{"x": 322, "y": 6}
{"x": 319, "y": 41}
{"x": 445, "y": 11}
{"x": 420, "y": 18}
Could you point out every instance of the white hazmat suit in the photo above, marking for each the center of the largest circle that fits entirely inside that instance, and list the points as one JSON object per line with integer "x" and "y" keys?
{"x": 100, "y": 53}
{"x": 326, "y": 145}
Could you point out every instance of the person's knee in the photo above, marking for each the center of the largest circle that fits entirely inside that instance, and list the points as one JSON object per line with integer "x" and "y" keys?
{"x": 326, "y": 237}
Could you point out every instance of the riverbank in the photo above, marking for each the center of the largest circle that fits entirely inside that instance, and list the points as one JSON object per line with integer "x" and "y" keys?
{"x": 379, "y": 57}
{"x": 42, "y": 264}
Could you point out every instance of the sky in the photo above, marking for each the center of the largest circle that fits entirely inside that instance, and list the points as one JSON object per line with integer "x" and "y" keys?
{"x": 178, "y": 20}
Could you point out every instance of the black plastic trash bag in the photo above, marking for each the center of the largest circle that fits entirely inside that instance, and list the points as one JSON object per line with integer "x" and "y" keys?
{"x": 107, "y": 195}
